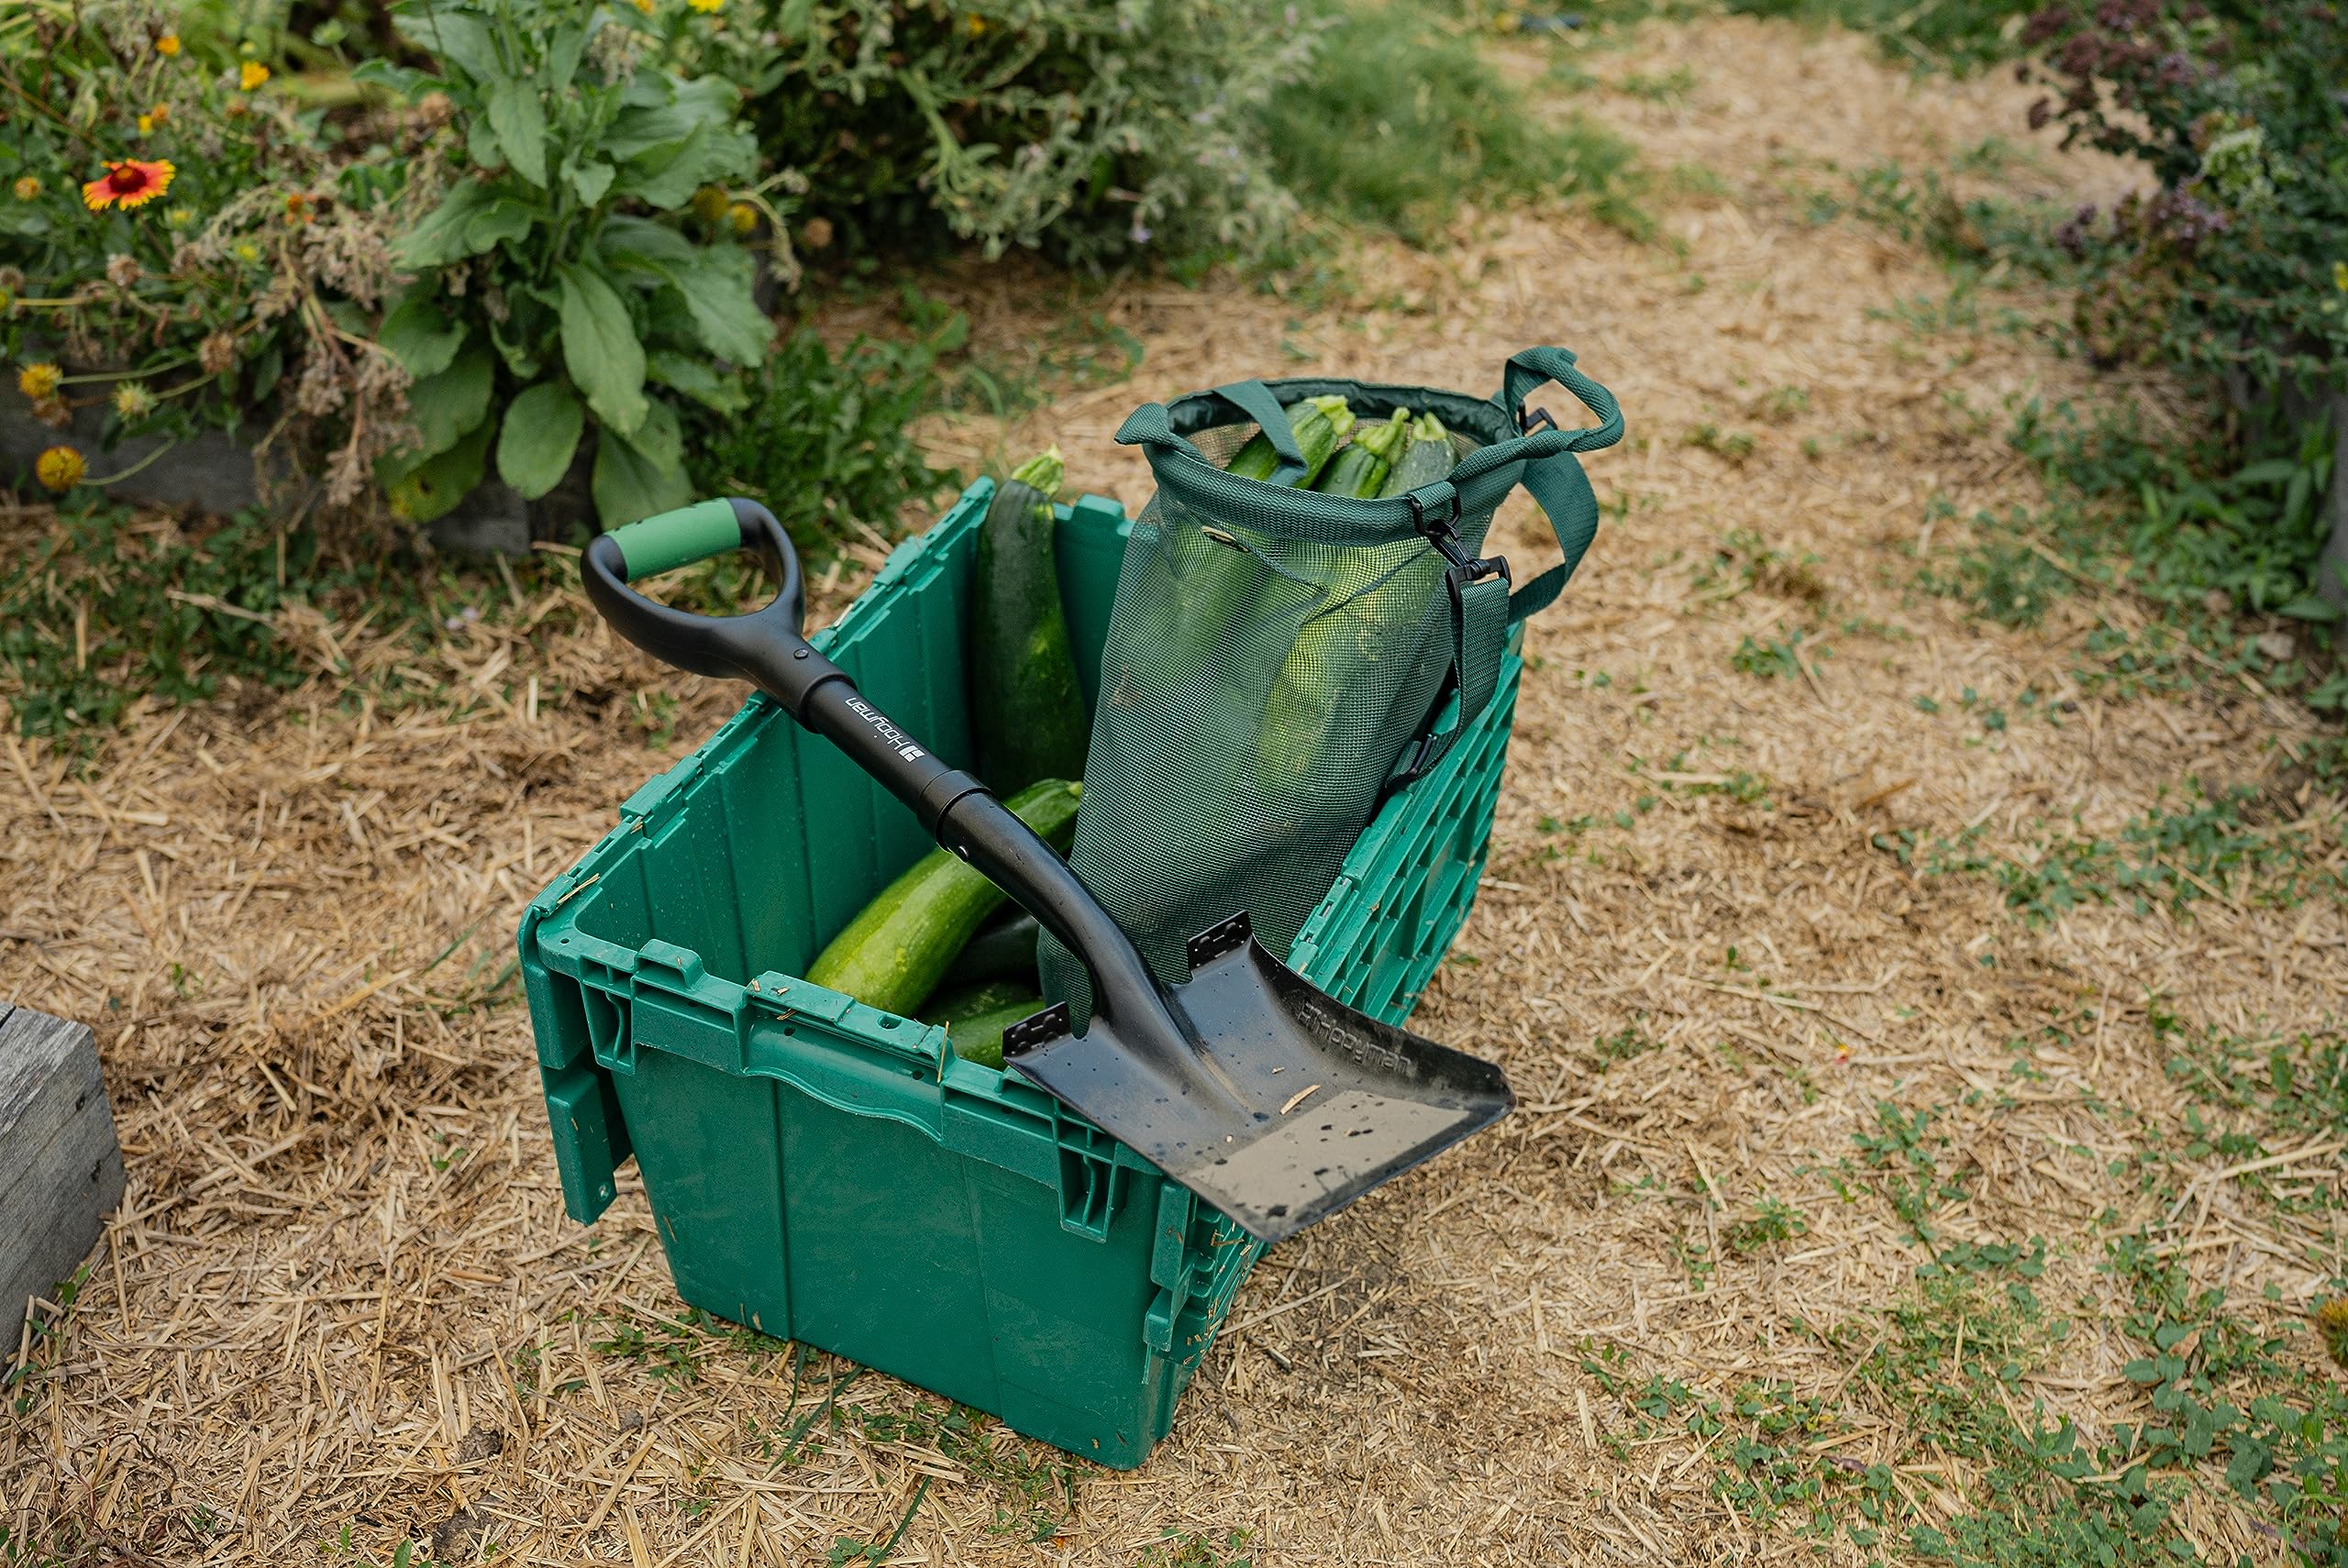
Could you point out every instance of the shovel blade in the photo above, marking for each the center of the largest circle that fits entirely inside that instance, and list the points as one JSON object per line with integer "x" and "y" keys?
{"x": 1266, "y": 1097}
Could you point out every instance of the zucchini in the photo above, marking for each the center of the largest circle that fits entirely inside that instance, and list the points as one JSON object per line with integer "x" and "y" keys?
{"x": 951, "y": 1006}
{"x": 1023, "y": 675}
{"x": 1360, "y": 470}
{"x": 1005, "y": 949}
{"x": 979, "y": 1038}
{"x": 1319, "y": 424}
{"x": 893, "y": 954}
{"x": 1428, "y": 458}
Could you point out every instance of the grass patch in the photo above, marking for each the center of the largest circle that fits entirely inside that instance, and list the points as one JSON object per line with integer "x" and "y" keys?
{"x": 1957, "y": 35}
{"x": 1400, "y": 121}
{"x": 2205, "y": 846}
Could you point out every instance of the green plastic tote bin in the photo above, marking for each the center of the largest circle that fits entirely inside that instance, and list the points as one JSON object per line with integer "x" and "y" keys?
{"x": 827, "y": 1172}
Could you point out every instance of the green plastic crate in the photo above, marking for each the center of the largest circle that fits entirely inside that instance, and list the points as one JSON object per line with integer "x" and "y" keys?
{"x": 828, "y": 1172}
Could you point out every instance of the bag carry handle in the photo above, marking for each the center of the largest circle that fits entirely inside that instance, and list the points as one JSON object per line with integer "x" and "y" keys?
{"x": 1483, "y": 610}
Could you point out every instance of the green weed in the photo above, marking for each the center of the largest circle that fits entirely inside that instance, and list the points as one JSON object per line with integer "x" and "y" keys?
{"x": 1772, "y": 1220}
{"x": 826, "y": 439}
{"x": 1199, "y": 1549}
{"x": 1735, "y": 446}
{"x": 1957, "y": 36}
{"x": 1777, "y": 659}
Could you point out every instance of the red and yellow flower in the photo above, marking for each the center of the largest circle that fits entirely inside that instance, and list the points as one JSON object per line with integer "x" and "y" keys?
{"x": 133, "y": 182}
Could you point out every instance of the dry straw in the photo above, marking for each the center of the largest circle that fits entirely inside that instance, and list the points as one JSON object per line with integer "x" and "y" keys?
{"x": 342, "y": 1292}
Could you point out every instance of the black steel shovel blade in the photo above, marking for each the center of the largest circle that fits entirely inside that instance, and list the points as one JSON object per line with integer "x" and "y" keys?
{"x": 1262, "y": 1093}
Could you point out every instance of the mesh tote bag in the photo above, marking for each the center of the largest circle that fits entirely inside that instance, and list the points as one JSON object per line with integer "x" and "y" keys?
{"x": 1280, "y": 659}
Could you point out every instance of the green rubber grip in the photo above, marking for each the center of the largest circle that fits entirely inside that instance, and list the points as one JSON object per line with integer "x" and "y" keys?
{"x": 678, "y": 538}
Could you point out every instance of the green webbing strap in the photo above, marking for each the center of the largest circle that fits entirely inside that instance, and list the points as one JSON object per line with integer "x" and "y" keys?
{"x": 1563, "y": 491}
{"x": 1256, "y": 400}
{"x": 1479, "y": 624}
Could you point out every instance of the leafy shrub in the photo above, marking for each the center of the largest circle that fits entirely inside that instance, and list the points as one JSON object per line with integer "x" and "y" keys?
{"x": 1398, "y": 123}
{"x": 183, "y": 242}
{"x": 823, "y": 439}
{"x": 2236, "y": 261}
{"x": 1097, "y": 131}
{"x": 1960, "y": 35}
{"x": 589, "y": 268}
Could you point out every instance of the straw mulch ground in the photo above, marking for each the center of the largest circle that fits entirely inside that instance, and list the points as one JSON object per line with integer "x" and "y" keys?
{"x": 341, "y": 1305}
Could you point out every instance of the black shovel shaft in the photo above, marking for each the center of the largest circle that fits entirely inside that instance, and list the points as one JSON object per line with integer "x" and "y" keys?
{"x": 765, "y": 647}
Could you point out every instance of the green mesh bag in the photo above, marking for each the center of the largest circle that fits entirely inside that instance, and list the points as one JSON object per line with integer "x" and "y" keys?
{"x": 1280, "y": 660}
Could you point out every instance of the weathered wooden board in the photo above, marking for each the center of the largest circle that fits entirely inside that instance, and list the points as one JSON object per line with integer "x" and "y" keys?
{"x": 61, "y": 1169}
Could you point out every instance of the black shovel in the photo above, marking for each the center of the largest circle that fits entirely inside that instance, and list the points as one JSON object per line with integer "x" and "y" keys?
{"x": 1273, "y": 1101}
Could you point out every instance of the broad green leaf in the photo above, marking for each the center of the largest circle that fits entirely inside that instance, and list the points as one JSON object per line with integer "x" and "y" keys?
{"x": 646, "y": 246}
{"x": 660, "y": 114}
{"x": 440, "y": 237}
{"x": 406, "y": 81}
{"x": 419, "y": 334}
{"x": 590, "y": 180}
{"x": 634, "y": 482}
{"x": 482, "y": 144}
{"x": 519, "y": 336}
{"x": 521, "y": 124}
{"x": 503, "y": 222}
{"x": 563, "y": 55}
{"x": 541, "y": 433}
{"x": 2308, "y": 607}
{"x": 667, "y": 177}
{"x": 600, "y": 349}
{"x": 716, "y": 286}
{"x": 430, "y": 488}
{"x": 448, "y": 406}
{"x": 698, "y": 379}
{"x": 449, "y": 33}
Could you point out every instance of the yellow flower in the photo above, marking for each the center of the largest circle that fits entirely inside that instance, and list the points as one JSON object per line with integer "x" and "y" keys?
{"x": 251, "y": 74}
{"x": 28, "y": 188}
{"x": 2340, "y": 276}
{"x": 180, "y": 217}
{"x": 976, "y": 24}
{"x": 644, "y": 6}
{"x": 705, "y": 6}
{"x": 36, "y": 381}
{"x": 60, "y": 469}
{"x": 168, "y": 44}
{"x": 146, "y": 124}
{"x": 745, "y": 217}
{"x": 709, "y": 203}
{"x": 132, "y": 399}
{"x": 245, "y": 250}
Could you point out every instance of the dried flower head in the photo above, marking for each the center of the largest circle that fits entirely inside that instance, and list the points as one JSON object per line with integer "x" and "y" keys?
{"x": 2331, "y": 1322}
{"x": 435, "y": 109}
{"x": 218, "y": 352}
{"x": 133, "y": 182}
{"x": 816, "y": 233}
{"x": 123, "y": 270}
{"x": 299, "y": 208}
{"x": 60, "y": 469}
{"x": 28, "y": 188}
{"x": 251, "y": 74}
{"x": 709, "y": 203}
{"x": 132, "y": 400}
{"x": 53, "y": 412}
{"x": 41, "y": 381}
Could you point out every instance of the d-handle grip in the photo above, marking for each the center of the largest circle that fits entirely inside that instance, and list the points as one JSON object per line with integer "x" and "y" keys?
{"x": 765, "y": 648}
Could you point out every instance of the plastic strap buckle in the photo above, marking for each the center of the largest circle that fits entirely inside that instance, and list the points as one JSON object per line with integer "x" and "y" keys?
{"x": 1526, "y": 424}
{"x": 1438, "y": 531}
